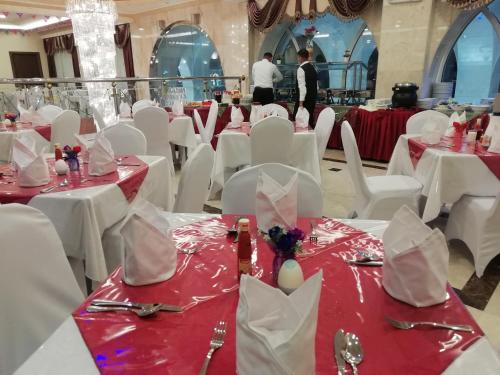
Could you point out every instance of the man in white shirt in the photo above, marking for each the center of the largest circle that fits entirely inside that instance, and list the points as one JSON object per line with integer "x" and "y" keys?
{"x": 264, "y": 74}
{"x": 306, "y": 87}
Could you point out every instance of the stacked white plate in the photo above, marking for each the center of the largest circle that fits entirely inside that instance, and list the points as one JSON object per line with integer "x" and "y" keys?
{"x": 442, "y": 90}
{"x": 426, "y": 103}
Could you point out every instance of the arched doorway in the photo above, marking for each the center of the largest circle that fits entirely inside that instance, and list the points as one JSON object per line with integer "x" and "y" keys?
{"x": 185, "y": 50}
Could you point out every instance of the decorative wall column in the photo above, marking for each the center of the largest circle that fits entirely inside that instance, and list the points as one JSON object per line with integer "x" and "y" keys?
{"x": 94, "y": 28}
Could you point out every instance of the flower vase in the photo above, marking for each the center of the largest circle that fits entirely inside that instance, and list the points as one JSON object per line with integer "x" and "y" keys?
{"x": 73, "y": 163}
{"x": 278, "y": 261}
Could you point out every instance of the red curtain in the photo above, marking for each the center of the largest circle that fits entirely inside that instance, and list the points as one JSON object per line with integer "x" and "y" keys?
{"x": 468, "y": 4}
{"x": 265, "y": 18}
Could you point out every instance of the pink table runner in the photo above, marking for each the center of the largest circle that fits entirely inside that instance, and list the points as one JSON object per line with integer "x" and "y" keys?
{"x": 206, "y": 285}
{"x": 129, "y": 177}
{"x": 492, "y": 160}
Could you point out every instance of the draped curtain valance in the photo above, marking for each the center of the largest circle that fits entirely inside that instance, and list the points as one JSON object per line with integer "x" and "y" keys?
{"x": 67, "y": 43}
{"x": 264, "y": 17}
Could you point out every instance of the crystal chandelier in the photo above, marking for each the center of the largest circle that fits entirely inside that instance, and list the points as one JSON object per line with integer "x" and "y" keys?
{"x": 94, "y": 28}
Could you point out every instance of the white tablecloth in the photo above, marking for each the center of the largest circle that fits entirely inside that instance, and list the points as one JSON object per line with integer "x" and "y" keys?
{"x": 7, "y": 139}
{"x": 445, "y": 175}
{"x": 80, "y": 216}
{"x": 233, "y": 151}
{"x": 65, "y": 351}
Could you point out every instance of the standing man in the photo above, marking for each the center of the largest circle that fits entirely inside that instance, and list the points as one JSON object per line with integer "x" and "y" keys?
{"x": 264, "y": 74}
{"x": 306, "y": 88}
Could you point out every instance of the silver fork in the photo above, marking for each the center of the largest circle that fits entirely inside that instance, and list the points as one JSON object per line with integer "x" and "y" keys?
{"x": 216, "y": 342}
{"x": 409, "y": 325}
{"x": 313, "y": 237}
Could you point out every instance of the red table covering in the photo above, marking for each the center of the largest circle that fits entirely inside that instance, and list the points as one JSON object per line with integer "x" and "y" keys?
{"x": 456, "y": 144}
{"x": 129, "y": 177}
{"x": 206, "y": 285}
{"x": 44, "y": 130}
{"x": 376, "y": 132}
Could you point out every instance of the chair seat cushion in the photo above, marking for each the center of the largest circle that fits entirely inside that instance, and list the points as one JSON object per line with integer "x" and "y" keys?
{"x": 393, "y": 185}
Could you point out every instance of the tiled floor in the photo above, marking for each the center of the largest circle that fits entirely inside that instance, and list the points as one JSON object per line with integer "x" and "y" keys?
{"x": 481, "y": 295}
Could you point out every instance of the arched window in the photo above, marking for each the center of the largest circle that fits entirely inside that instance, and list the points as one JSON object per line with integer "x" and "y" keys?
{"x": 471, "y": 56}
{"x": 185, "y": 50}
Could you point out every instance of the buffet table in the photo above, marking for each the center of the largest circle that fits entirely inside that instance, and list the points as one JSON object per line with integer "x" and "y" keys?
{"x": 376, "y": 132}
{"x": 352, "y": 298}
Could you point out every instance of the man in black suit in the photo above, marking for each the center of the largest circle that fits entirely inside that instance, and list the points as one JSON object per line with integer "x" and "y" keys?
{"x": 306, "y": 86}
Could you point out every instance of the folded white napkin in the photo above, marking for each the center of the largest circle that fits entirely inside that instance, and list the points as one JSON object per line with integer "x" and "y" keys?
{"x": 30, "y": 115}
{"x": 177, "y": 108}
{"x": 32, "y": 169}
{"x": 236, "y": 116}
{"x": 450, "y": 131}
{"x": 276, "y": 204}
{"x": 149, "y": 254}
{"x": 256, "y": 113}
{"x": 101, "y": 157}
{"x": 125, "y": 110}
{"x": 416, "y": 260}
{"x": 302, "y": 118}
{"x": 275, "y": 333}
{"x": 82, "y": 142}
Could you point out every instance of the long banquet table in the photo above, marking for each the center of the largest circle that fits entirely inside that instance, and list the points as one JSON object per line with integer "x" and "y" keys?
{"x": 446, "y": 173}
{"x": 233, "y": 151}
{"x": 176, "y": 343}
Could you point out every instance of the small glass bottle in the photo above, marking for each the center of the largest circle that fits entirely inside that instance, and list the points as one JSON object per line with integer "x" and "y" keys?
{"x": 244, "y": 248}
{"x": 57, "y": 152}
{"x": 479, "y": 129}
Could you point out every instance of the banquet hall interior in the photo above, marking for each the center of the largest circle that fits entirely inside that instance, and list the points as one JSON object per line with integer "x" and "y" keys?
{"x": 250, "y": 186}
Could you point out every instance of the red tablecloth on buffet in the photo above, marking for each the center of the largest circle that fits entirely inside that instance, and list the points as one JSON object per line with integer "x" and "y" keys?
{"x": 206, "y": 285}
{"x": 376, "y": 132}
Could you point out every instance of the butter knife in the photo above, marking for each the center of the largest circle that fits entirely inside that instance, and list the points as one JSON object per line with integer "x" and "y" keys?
{"x": 372, "y": 263}
{"x": 163, "y": 306}
{"x": 339, "y": 344}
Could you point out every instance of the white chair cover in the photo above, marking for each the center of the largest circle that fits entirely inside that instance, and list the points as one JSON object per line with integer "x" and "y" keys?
{"x": 49, "y": 112}
{"x": 140, "y": 104}
{"x": 125, "y": 139}
{"x": 194, "y": 184}
{"x": 476, "y": 221}
{"x": 239, "y": 194}
{"x": 37, "y": 288}
{"x": 271, "y": 140}
{"x": 323, "y": 129}
{"x": 153, "y": 122}
{"x": 64, "y": 127}
{"x": 271, "y": 109}
{"x": 377, "y": 197}
{"x": 416, "y": 122}
{"x": 98, "y": 120}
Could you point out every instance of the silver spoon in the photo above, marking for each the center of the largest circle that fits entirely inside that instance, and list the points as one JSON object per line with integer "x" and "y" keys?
{"x": 64, "y": 183}
{"x": 353, "y": 353}
{"x": 144, "y": 312}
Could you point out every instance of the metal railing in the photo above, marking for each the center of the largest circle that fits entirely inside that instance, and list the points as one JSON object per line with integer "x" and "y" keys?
{"x": 49, "y": 85}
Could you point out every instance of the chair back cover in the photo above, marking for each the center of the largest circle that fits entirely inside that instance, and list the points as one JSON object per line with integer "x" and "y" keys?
{"x": 213, "y": 113}
{"x": 194, "y": 184}
{"x": 239, "y": 194}
{"x": 201, "y": 128}
{"x": 354, "y": 165}
{"x": 98, "y": 119}
{"x": 140, "y": 104}
{"x": 153, "y": 122}
{"x": 64, "y": 127}
{"x": 49, "y": 112}
{"x": 38, "y": 290}
{"x": 323, "y": 129}
{"x": 125, "y": 139}
{"x": 271, "y": 140}
{"x": 415, "y": 123}
{"x": 272, "y": 108}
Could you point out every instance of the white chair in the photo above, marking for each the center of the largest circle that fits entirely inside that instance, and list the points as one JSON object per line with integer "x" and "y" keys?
{"x": 194, "y": 184}
{"x": 416, "y": 122}
{"x": 271, "y": 140}
{"x": 125, "y": 139}
{"x": 38, "y": 290}
{"x": 323, "y": 129}
{"x": 98, "y": 119}
{"x": 64, "y": 127}
{"x": 49, "y": 112}
{"x": 140, "y": 104}
{"x": 476, "y": 221}
{"x": 207, "y": 133}
{"x": 239, "y": 194}
{"x": 153, "y": 122}
{"x": 271, "y": 109}
{"x": 377, "y": 197}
